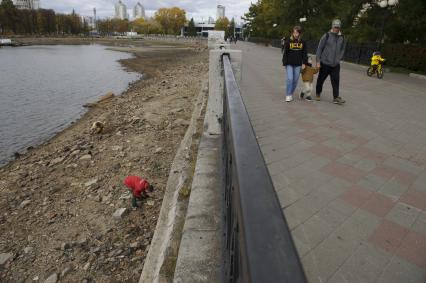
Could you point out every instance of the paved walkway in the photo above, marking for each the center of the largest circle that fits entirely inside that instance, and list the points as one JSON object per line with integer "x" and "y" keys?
{"x": 351, "y": 179}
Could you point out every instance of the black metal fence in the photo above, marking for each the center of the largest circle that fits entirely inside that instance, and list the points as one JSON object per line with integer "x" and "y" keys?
{"x": 259, "y": 247}
{"x": 408, "y": 56}
{"x": 356, "y": 53}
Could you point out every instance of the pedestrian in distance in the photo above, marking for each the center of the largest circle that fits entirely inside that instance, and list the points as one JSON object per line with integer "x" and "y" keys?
{"x": 308, "y": 77}
{"x": 294, "y": 59}
{"x": 282, "y": 44}
{"x": 330, "y": 51}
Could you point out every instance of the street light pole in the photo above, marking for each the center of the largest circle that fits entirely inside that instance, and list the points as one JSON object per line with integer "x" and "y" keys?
{"x": 385, "y": 4}
{"x": 202, "y": 26}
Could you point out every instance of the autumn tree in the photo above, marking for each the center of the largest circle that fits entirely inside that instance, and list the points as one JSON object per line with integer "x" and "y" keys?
{"x": 222, "y": 24}
{"x": 143, "y": 26}
{"x": 121, "y": 26}
{"x": 171, "y": 19}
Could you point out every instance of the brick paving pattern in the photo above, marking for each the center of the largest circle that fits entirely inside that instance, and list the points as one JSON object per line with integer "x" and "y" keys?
{"x": 351, "y": 179}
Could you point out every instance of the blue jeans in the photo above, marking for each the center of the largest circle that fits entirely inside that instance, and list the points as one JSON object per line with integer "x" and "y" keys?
{"x": 293, "y": 73}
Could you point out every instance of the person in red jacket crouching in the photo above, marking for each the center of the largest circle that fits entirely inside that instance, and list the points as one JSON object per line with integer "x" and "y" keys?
{"x": 139, "y": 188}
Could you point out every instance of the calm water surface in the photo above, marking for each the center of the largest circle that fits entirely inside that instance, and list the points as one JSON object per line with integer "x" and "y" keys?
{"x": 43, "y": 88}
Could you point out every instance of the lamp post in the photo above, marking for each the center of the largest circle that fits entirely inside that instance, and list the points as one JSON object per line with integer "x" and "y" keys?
{"x": 385, "y": 4}
{"x": 235, "y": 23}
{"x": 202, "y": 27}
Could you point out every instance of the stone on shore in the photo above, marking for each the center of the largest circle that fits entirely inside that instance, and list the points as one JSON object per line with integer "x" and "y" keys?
{"x": 25, "y": 203}
{"x": 52, "y": 278}
{"x": 107, "y": 96}
{"x": 65, "y": 271}
{"x": 56, "y": 161}
{"x": 119, "y": 213}
{"x": 28, "y": 250}
{"x": 86, "y": 157}
{"x": 4, "y": 258}
{"x": 91, "y": 183}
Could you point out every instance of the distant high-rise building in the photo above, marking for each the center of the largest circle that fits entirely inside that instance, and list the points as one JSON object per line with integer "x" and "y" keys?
{"x": 220, "y": 12}
{"x": 26, "y": 4}
{"x": 211, "y": 20}
{"x": 139, "y": 11}
{"x": 120, "y": 11}
{"x": 94, "y": 18}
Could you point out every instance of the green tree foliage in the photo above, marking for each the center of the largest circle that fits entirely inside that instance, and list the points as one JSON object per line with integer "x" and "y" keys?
{"x": 9, "y": 17}
{"x": 192, "y": 31}
{"x": 42, "y": 21}
{"x": 231, "y": 29}
{"x": 404, "y": 22}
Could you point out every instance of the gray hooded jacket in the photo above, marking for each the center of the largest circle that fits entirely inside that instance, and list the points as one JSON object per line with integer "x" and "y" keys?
{"x": 331, "y": 52}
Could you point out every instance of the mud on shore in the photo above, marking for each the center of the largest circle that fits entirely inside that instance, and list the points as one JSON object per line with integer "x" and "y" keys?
{"x": 57, "y": 201}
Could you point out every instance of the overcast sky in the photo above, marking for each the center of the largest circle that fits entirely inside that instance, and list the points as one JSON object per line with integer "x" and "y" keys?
{"x": 195, "y": 8}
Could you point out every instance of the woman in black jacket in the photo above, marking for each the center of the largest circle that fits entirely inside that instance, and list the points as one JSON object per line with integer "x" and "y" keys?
{"x": 295, "y": 57}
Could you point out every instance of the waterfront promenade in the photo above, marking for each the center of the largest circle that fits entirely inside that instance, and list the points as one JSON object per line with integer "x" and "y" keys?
{"x": 351, "y": 179}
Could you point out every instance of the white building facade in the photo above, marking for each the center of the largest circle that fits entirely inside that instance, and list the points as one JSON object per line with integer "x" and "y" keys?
{"x": 26, "y": 4}
{"x": 90, "y": 21}
{"x": 120, "y": 11}
{"x": 139, "y": 11}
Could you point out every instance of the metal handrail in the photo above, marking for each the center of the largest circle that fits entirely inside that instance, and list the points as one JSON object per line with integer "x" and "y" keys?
{"x": 259, "y": 247}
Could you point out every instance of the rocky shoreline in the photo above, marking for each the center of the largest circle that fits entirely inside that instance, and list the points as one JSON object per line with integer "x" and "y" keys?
{"x": 64, "y": 214}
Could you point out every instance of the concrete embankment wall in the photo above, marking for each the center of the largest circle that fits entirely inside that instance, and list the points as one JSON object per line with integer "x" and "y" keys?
{"x": 195, "y": 250}
{"x": 200, "y": 253}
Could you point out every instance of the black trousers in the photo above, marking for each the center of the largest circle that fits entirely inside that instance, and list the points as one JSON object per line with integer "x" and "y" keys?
{"x": 334, "y": 73}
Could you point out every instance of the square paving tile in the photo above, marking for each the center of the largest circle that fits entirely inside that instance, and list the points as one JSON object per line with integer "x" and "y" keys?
{"x": 385, "y": 172}
{"x": 370, "y": 154}
{"x": 405, "y": 178}
{"x": 356, "y": 196}
{"x": 325, "y": 151}
{"x": 402, "y": 271}
{"x": 415, "y": 198}
{"x": 343, "y": 171}
{"x": 413, "y": 249}
{"x": 354, "y": 139}
{"x": 404, "y": 215}
{"x": 365, "y": 265}
{"x": 379, "y": 204}
{"x": 393, "y": 189}
{"x": 388, "y": 236}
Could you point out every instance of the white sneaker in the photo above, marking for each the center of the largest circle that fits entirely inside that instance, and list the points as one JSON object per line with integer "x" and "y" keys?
{"x": 288, "y": 98}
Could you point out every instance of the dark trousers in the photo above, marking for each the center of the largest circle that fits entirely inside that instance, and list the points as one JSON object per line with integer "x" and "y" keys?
{"x": 334, "y": 73}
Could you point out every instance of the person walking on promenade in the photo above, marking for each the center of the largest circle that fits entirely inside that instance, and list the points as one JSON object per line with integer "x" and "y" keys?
{"x": 295, "y": 57}
{"x": 331, "y": 49}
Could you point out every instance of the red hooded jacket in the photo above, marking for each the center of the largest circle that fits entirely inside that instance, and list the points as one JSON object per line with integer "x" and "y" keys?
{"x": 136, "y": 184}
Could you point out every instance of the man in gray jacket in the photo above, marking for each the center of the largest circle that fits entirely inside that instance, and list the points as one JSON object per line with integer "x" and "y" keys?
{"x": 329, "y": 54}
